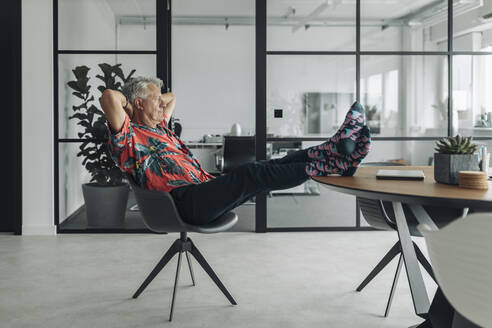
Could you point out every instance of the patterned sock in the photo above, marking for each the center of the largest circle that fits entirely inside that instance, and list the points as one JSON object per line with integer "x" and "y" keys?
{"x": 361, "y": 150}
{"x": 327, "y": 167}
{"x": 362, "y": 147}
{"x": 344, "y": 141}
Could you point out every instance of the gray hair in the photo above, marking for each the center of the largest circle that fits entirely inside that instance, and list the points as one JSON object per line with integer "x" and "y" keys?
{"x": 137, "y": 87}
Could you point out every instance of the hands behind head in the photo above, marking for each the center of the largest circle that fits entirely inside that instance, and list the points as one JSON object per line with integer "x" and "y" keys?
{"x": 167, "y": 98}
{"x": 129, "y": 109}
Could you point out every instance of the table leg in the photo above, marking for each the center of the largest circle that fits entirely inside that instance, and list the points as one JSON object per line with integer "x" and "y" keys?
{"x": 415, "y": 280}
{"x": 422, "y": 216}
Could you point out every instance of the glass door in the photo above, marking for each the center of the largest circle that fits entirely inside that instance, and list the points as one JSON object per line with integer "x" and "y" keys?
{"x": 213, "y": 78}
{"x": 311, "y": 83}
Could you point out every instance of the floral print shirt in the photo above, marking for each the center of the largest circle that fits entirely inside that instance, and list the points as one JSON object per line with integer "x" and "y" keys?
{"x": 156, "y": 158}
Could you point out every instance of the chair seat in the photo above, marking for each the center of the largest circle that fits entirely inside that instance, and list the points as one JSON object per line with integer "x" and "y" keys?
{"x": 223, "y": 223}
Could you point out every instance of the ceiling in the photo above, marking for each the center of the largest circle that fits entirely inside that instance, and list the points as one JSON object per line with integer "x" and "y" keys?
{"x": 288, "y": 10}
{"x": 381, "y": 9}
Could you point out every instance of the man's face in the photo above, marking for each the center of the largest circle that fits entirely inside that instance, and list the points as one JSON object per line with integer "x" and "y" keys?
{"x": 153, "y": 107}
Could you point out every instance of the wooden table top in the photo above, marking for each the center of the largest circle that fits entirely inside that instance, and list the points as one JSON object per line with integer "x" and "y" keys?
{"x": 426, "y": 192}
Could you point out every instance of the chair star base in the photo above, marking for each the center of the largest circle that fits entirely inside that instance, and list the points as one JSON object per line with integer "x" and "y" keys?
{"x": 183, "y": 245}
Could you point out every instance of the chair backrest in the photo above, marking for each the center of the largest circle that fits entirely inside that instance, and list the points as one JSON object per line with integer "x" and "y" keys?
{"x": 375, "y": 211}
{"x": 159, "y": 212}
{"x": 238, "y": 150}
{"x": 375, "y": 214}
{"x": 462, "y": 262}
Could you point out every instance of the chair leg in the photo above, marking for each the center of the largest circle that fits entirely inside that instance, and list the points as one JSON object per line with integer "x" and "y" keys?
{"x": 423, "y": 261}
{"x": 191, "y": 268}
{"x": 203, "y": 263}
{"x": 175, "y": 287}
{"x": 393, "y": 287}
{"x": 165, "y": 259}
{"x": 395, "y": 250}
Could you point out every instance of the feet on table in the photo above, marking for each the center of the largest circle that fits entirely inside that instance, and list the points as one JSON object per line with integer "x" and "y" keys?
{"x": 328, "y": 167}
{"x": 336, "y": 163}
{"x": 344, "y": 141}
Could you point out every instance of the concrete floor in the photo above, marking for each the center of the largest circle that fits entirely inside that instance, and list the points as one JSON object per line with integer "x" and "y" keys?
{"x": 278, "y": 279}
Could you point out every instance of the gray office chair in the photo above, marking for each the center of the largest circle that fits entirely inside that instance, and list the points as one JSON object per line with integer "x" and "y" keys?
{"x": 161, "y": 215}
{"x": 380, "y": 215}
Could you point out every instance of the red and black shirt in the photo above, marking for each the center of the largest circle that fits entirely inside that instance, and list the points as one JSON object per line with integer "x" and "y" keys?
{"x": 156, "y": 158}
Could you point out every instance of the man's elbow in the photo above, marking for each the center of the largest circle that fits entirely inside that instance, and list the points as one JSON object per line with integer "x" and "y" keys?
{"x": 106, "y": 99}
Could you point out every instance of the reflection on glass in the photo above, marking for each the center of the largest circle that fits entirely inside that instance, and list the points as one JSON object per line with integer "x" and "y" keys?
{"x": 106, "y": 25}
{"x": 310, "y": 94}
{"x": 311, "y": 25}
{"x": 214, "y": 74}
{"x": 472, "y": 99}
{"x": 72, "y": 174}
{"x": 405, "y": 95}
{"x": 471, "y": 25}
{"x": 404, "y": 25}
{"x": 143, "y": 64}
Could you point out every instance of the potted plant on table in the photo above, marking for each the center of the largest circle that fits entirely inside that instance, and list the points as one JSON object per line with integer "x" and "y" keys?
{"x": 106, "y": 195}
{"x": 454, "y": 154}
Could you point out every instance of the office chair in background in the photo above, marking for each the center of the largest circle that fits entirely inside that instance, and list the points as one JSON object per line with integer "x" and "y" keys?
{"x": 160, "y": 214}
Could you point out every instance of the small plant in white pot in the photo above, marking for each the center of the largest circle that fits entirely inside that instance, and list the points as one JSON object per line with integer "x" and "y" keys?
{"x": 454, "y": 154}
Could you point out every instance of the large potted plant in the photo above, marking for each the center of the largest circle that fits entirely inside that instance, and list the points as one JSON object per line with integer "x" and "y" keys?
{"x": 454, "y": 155}
{"x": 106, "y": 195}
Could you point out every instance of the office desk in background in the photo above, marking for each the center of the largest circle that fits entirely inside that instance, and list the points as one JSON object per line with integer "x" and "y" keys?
{"x": 415, "y": 194}
{"x": 205, "y": 153}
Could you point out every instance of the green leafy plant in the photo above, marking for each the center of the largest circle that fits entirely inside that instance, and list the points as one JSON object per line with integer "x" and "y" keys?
{"x": 371, "y": 112}
{"x": 455, "y": 145}
{"x": 95, "y": 151}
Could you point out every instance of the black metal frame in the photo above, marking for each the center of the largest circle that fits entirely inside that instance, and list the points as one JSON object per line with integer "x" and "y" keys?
{"x": 11, "y": 86}
{"x": 261, "y": 54}
{"x": 163, "y": 56}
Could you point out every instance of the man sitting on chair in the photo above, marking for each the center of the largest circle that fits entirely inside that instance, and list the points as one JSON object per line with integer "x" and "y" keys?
{"x": 142, "y": 145}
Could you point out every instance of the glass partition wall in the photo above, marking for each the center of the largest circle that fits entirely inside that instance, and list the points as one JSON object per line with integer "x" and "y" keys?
{"x": 420, "y": 69}
{"x": 94, "y": 34}
{"x": 213, "y": 78}
{"x": 286, "y": 72}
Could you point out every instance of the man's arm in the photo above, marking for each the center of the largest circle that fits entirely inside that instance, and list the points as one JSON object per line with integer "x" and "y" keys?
{"x": 112, "y": 103}
{"x": 168, "y": 101}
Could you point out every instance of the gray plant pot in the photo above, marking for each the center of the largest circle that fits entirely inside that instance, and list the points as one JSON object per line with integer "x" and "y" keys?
{"x": 447, "y": 166}
{"x": 105, "y": 205}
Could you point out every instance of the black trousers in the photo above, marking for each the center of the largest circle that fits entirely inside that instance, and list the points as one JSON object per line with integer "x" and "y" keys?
{"x": 203, "y": 203}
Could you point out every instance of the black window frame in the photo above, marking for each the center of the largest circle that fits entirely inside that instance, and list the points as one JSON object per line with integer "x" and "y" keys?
{"x": 163, "y": 57}
{"x": 261, "y": 56}
{"x": 163, "y": 71}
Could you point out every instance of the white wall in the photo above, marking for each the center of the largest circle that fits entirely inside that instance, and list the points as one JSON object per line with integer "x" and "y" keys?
{"x": 213, "y": 78}
{"x": 37, "y": 117}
